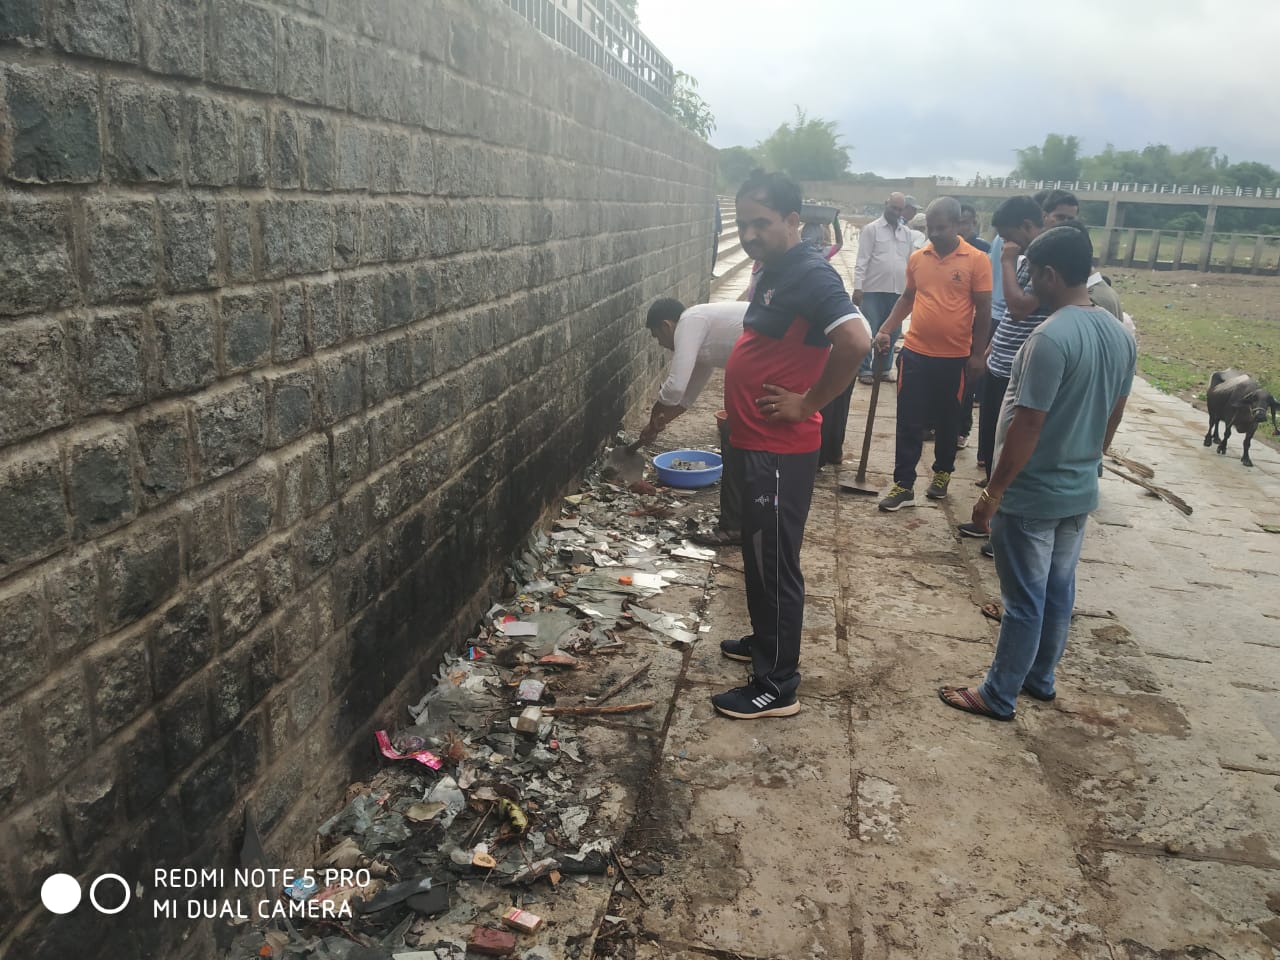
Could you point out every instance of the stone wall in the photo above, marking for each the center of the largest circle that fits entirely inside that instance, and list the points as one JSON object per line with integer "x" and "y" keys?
{"x": 307, "y": 311}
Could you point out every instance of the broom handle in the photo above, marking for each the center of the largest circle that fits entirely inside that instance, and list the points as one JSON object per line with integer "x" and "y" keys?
{"x": 871, "y": 417}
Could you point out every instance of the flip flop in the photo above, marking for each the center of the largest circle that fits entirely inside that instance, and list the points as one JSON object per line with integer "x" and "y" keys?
{"x": 717, "y": 538}
{"x": 992, "y": 611}
{"x": 970, "y": 703}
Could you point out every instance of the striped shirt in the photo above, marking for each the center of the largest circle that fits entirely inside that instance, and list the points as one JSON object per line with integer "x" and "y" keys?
{"x": 1011, "y": 334}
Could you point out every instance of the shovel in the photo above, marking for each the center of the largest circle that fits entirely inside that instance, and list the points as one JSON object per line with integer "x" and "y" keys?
{"x": 859, "y": 483}
{"x": 626, "y": 464}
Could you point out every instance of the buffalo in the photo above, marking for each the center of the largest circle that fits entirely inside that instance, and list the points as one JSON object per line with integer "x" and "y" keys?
{"x": 1239, "y": 401}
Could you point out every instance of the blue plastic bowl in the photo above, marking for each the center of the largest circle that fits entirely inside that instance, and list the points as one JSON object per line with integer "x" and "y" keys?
{"x": 688, "y": 479}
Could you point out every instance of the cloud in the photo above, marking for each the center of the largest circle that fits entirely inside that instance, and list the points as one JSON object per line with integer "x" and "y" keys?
{"x": 940, "y": 87}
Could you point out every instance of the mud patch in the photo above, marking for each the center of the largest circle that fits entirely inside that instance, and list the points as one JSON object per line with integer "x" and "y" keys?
{"x": 879, "y": 810}
{"x": 1136, "y": 713}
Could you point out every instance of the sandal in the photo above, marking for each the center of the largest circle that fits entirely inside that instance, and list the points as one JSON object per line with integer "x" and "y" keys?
{"x": 717, "y": 538}
{"x": 970, "y": 702}
{"x": 992, "y": 611}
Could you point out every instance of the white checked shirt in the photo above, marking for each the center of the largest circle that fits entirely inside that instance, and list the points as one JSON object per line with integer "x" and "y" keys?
{"x": 883, "y": 251}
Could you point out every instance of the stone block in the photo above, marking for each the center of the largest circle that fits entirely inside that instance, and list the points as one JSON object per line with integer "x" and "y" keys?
{"x": 33, "y": 513}
{"x": 185, "y": 729}
{"x": 38, "y": 833}
{"x": 35, "y": 254}
{"x": 141, "y": 761}
{"x": 163, "y": 456}
{"x": 291, "y": 331}
{"x": 301, "y": 60}
{"x": 375, "y": 232}
{"x": 208, "y": 792}
{"x": 50, "y": 121}
{"x": 100, "y": 481}
{"x": 186, "y": 358}
{"x": 181, "y": 643}
{"x": 350, "y": 454}
{"x": 400, "y": 156}
{"x": 173, "y": 33}
{"x": 20, "y": 20}
{"x": 121, "y": 682}
{"x": 106, "y": 29}
{"x": 18, "y": 776}
{"x": 397, "y": 303}
{"x": 310, "y": 226}
{"x": 353, "y": 156}
{"x": 421, "y": 356}
{"x": 362, "y": 311}
{"x": 292, "y": 402}
{"x": 213, "y": 155}
{"x": 319, "y": 153}
{"x": 33, "y": 378}
{"x": 317, "y": 546}
{"x": 322, "y": 313}
{"x": 205, "y": 533}
{"x": 137, "y": 573}
{"x": 253, "y": 503}
{"x": 107, "y": 352}
{"x": 317, "y": 475}
{"x": 230, "y": 428}
{"x": 253, "y": 148}
{"x": 22, "y": 638}
{"x": 143, "y": 133}
{"x": 277, "y": 574}
{"x": 189, "y": 243}
{"x": 424, "y": 290}
{"x": 237, "y": 221}
{"x": 59, "y": 713}
{"x": 339, "y": 70}
{"x": 240, "y": 679}
{"x": 242, "y": 51}
{"x": 93, "y": 801}
{"x": 245, "y": 325}
{"x": 346, "y": 234}
{"x": 121, "y": 249}
{"x": 286, "y": 165}
{"x": 379, "y": 162}
{"x": 71, "y": 598}
{"x": 239, "y": 603}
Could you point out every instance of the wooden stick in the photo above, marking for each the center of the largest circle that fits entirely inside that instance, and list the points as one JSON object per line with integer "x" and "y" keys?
{"x": 622, "y": 870}
{"x": 588, "y": 711}
{"x": 622, "y": 684}
{"x": 1141, "y": 469}
{"x": 1167, "y": 496}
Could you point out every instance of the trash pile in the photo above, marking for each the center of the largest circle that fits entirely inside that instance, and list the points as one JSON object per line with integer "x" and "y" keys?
{"x": 492, "y": 828}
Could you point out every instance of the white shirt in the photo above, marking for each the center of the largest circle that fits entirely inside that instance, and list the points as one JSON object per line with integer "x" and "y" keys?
{"x": 881, "y": 265}
{"x": 705, "y": 335}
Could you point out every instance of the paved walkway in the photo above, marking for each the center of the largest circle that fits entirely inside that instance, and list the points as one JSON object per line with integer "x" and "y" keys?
{"x": 1136, "y": 817}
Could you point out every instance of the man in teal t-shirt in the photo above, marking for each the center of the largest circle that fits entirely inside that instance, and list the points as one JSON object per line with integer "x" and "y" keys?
{"x": 1066, "y": 395}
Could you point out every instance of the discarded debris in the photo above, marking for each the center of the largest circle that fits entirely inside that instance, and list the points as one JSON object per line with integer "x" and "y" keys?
{"x": 624, "y": 683}
{"x": 491, "y": 943}
{"x": 521, "y": 920}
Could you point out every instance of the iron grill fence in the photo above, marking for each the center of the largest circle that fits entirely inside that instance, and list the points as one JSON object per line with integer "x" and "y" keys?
{"x": 598, "y": 31}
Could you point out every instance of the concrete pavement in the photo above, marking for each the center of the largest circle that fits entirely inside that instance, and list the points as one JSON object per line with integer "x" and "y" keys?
{"x": 1135, "y": 817}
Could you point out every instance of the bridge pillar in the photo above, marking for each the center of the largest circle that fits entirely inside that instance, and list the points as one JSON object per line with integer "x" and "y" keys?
{"x": 1206, "y": 240}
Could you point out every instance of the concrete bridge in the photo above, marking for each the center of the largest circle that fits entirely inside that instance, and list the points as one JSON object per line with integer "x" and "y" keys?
{"x": 1116, "y": 195}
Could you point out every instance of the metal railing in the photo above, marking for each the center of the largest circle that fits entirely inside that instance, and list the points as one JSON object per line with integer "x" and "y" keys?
{"x": 599, "y": 32}
{"x": 1115, "y": 186}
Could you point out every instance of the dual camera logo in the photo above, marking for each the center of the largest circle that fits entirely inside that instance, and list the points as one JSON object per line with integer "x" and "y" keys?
{"x": 61, "y": 893}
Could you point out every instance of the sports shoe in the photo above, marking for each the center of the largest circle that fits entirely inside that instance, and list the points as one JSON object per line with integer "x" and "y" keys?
{"x": 754, "y": 702}
{"x": 899, "y": 497}
{"x": 938, "y": 488}
{"x": 739, "y": 649}
{"x": 892, "y": 375}
{"x": 962, "y": 441}
{"x": 988, "y": 550}
{"x": 973, "y": 530}
{"x": 866, "y": 378}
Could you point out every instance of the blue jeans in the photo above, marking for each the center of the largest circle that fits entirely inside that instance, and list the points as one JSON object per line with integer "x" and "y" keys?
{"x": 876, "y": 307}
{"x": 1036, "y": 561}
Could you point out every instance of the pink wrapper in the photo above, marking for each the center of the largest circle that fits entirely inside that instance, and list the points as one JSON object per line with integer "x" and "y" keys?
{"x": 424, "y": 757}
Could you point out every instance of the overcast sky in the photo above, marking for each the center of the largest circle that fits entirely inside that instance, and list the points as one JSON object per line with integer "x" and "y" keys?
{"x": 942, "y": 87}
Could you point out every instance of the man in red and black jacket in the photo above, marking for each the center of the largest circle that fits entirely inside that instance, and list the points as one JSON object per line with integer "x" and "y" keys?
{"x": 802, "y": 341}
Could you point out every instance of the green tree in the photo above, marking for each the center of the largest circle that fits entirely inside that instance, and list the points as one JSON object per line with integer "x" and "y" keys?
{"x": 1057, "y": 159}
{"x": 808, "y": 149}
{"x": 734, "y": 164}
{"x": 629, "y": 8}
{"x": 688, "y": 107}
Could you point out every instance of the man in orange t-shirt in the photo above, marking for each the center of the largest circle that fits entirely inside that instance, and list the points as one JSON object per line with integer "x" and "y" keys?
{"x": 948, "y": 295}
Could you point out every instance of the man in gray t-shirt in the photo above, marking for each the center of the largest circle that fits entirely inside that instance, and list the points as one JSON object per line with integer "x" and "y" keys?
{"x": 1066, "y": 395}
